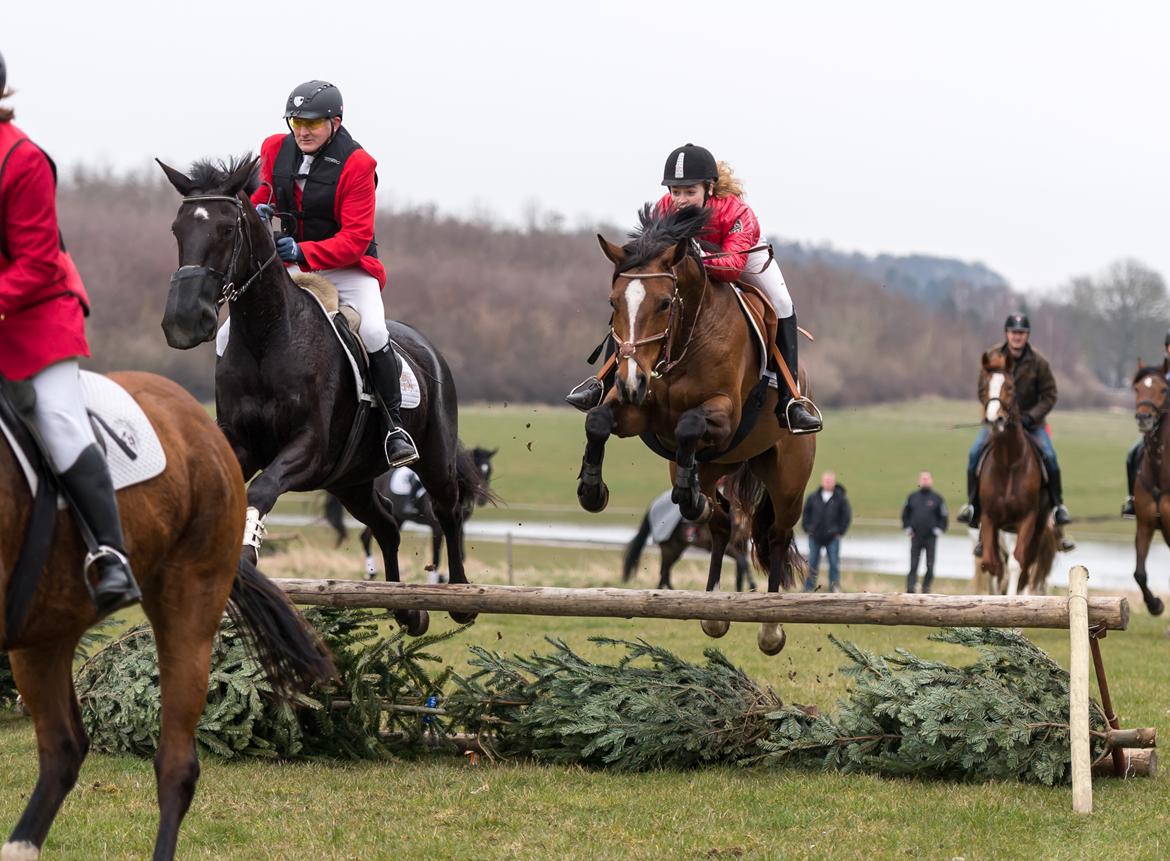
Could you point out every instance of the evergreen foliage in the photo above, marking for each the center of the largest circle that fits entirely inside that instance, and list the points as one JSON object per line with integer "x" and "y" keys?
{"x": 95, "y": 636}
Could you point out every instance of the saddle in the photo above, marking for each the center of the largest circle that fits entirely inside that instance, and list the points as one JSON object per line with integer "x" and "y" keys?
{"x": 1035, "y": 448}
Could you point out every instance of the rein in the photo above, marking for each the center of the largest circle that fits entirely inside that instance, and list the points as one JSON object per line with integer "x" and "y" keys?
{"x": 228, "y": 292}
{"x": 665, "y": 364}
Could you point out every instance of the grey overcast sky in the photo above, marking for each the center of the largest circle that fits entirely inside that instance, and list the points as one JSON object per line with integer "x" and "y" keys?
{"x": 1030, "y": 135}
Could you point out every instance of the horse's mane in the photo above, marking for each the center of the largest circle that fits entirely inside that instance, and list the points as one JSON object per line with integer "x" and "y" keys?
{"x": 1148, "y": 371}
{"x": 210, "y": 176}
{"x": 659, "y": 231}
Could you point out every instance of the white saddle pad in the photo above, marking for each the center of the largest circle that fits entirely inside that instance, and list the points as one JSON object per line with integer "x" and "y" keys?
{"x": 407, "y": 381}
{"x": 133, "y": 450}
{"x": 664, "y": 518}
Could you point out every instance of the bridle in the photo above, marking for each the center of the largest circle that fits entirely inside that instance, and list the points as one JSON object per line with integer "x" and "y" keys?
{"x": 228, "y": 292}
{"x": 665, "y": 364}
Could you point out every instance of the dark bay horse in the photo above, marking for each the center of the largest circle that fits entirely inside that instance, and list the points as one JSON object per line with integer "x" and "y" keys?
{"x": 183, "y": 536}
{"x": 415, "y": 505}
{"x": 687, "y": 366}
{"x": 1151, "y": 493}
{"x": 285, "y": 395}
{"x": 686, "y": 535}
{"x": 1011, "y": 484}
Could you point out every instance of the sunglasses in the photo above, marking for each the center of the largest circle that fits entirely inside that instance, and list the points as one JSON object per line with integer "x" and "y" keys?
{"x": 310, "y": 124}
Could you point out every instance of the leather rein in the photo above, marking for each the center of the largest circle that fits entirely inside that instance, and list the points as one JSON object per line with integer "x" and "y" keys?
{"x": 228, "y": 292}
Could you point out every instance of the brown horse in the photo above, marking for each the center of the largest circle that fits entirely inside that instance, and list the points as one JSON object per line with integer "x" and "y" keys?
{"x": 1151, "y": 496}
{"x": 183, "y": 531}
{"x": 1011, "y": 491}
{"x": 687, "y": 371}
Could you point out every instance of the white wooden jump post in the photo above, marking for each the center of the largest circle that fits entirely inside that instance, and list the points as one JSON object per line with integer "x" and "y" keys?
{"x": 1078, "y": 689}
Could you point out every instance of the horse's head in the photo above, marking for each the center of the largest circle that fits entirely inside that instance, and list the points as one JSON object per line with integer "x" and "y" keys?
{"x": 483, "y": 462}
{"x": 999, "y": 402}
{"x": 217, "y": 229}
{"x": 1152, "y": 393}
{"x": 650, "y": 278}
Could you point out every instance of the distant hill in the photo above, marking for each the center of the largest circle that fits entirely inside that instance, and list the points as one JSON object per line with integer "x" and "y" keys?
{"x": 938, "y": 282}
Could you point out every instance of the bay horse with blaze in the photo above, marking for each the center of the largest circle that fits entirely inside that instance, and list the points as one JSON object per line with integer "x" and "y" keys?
{"x": 1151, "y": 492}
{"x": 688, "y": 371}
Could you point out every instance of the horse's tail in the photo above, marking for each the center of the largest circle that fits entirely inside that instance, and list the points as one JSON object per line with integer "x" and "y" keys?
{"x": 473, "y": 487}
{"x": 633, "y": 554}
{"x": 335, "y": 517}
{"x": 285, "y": 645}
{"x": 747, "y": 494}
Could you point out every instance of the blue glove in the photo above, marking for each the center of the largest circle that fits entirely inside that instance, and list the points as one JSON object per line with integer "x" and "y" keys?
{"x": 264, "y": 211}
{"x": 1028, "y": 422}
{"x": 289, "y": 252}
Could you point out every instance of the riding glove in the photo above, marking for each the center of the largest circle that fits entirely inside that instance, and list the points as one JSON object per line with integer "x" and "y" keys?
{"x": 289, "y": 251}
{"x": 1028, "y": 422}
{"x": 264, "y": 211}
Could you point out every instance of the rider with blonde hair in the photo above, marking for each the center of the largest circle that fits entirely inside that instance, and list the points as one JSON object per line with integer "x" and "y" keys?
{"x": 694, "y": 178}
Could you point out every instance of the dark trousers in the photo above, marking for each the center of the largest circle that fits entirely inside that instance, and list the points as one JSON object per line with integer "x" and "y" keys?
{"x": 918, "y": 544}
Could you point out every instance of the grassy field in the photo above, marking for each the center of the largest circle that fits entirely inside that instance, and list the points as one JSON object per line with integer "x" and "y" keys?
{"x": 442, "y": 808}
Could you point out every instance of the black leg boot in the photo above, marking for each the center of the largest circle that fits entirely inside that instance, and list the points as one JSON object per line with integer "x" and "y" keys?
{"x": 1132, "y": 459}
{"x": 791, "y": 409}
{"x": 89, "y": 488}
{"x": 384, "y": 374}
{"x": 1060, "y": 514}
{"x": 589, "y": 393}
{"x": 969, "y": 514}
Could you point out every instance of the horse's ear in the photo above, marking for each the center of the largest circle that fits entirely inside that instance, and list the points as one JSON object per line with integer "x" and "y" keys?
{"x": 614, "y": 252}
{"x": 493, "y": 453}
{"x": 241, "y": 176}
{"x": 680, "y": 252}
{"x": 987, "y": 360}
{"x": 179, "y": 180}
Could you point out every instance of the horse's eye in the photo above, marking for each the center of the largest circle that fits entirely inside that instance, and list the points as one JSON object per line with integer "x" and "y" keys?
{"x": 224, "y": 230}
{"x": 664, "y": 305}
{"x": 613, "y": 304}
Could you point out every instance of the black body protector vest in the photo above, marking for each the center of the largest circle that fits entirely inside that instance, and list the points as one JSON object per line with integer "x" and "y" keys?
{"x": 315, "y": 218}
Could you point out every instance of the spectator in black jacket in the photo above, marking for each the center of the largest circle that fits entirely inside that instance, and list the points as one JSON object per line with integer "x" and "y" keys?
{"x": 827, "y": 516}
{"x": 924, "y": 517}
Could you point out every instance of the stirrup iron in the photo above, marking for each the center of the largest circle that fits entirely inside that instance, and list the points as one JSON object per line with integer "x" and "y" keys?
{"x": 808, "y": 405}
{"x": 402, "y": 461}
{"x": 103, "y": 551}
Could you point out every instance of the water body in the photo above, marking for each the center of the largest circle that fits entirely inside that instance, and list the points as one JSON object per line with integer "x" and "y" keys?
{"x": 1110, "y": 564}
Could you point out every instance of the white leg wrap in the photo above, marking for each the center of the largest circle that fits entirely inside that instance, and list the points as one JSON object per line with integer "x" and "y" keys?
{"x": 254, "y": 529}
{"x": 371, "y": 568}
{"x": 22, "y": 851}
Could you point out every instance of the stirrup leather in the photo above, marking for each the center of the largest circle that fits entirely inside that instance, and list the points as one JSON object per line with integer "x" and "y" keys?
{"x": 808, "y": 405}
{"x": 402, "y": 461}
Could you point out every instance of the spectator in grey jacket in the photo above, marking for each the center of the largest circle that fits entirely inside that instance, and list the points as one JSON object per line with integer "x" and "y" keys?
{"x": 827, "y": 515}
{"x": 924, "y": 517}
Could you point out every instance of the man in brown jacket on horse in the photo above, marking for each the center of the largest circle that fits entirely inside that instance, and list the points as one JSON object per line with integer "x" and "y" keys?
{"x": 1036, "y": 396}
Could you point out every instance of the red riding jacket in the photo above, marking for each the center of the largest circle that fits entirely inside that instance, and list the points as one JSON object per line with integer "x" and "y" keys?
{"x": 354, "y": 208}
{"x": 733, "y": 227}
{"x": 42, "y": 300}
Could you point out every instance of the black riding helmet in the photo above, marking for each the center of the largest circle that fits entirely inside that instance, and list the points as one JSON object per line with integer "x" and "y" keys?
{"x": 690, "y": 165}
{"x": 1017, "y": 323}
{"x": 314, "y": 100}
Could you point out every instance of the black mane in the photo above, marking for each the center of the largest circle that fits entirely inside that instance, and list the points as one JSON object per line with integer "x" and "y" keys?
{"x": 210, "y": 176}
{"x": 1148, "y": 371}
{"x": 659, "y": 232}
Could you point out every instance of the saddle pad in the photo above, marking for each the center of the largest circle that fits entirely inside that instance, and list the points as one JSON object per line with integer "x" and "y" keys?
{"x": 133, "y": 450}
{"x": 407, "y": 381}
{"x": 664, "y": 518}
{"x": 761, "y": 341}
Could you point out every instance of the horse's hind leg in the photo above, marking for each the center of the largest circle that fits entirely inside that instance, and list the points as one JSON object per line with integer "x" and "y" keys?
{"x": 443, "y": 495}
{"x": 44, "y": 678}
{"x": 720, "y": 525}
{"x": 671, "y": 552}
{"x": 364, "y": 503}
{"x": 371, "y": 567}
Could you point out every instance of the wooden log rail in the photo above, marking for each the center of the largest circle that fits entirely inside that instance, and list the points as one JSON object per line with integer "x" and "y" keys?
{"x": 857, "y": 608}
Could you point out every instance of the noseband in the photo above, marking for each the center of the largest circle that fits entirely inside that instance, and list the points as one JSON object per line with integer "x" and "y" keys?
{"x": 627, "y": 349}
{"x": 228, "y": 292}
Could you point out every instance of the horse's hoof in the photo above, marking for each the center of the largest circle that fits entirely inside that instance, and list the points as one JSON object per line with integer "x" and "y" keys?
{"x": 464, "y": 618}
{"x": 1155, "y": 606}
{"x": 771, "y": 639}
{"x": 715, "y": 629}
{"x": 416, "y": 622}
{"x": 593, "y": 498}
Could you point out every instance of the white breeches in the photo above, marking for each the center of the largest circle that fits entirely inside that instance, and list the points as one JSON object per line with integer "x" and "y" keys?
{"x": 355, "y": 287}
{"x": 771, "y": 281}
{"x": 60, "y": 413}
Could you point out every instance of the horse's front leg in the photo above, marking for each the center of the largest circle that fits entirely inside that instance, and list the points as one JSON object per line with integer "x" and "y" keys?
{"x": 992, "y": 564}
{"x": 1141, "y": 544}
{"x": 600, "y": 423}
{"x": 709, "y": 423}
{"x": 297, "y": 463}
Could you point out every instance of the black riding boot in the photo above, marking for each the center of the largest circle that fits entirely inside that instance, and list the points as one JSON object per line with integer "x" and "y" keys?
{"x": 1132, "y": 459}
{"x": 589, "y": 393}
{"x": 791, "y": 410}
{"x": 1055, "y": 494}
{"x": 385, "y": 372}
{"x": 969, "y": 514}
{"x": 90, "y": 489}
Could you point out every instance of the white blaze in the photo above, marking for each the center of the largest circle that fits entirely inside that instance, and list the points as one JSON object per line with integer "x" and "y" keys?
{"x": 1149, "y": 382}
{"x": 201, "y": 214}
{"x": 635, "y": 293}
{"x": 994, "y": 387}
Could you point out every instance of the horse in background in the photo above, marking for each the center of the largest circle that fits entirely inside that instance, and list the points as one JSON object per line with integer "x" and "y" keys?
{"x": 1011, "y": 482}
{"x": 1151, "y": 493}
{"x": 285, "y": 392}
{"x": 182, "y": 531}
{"x": 688, "y": 382}
{"x": 682, "y": 536}
{"x": 410, "y": 502}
